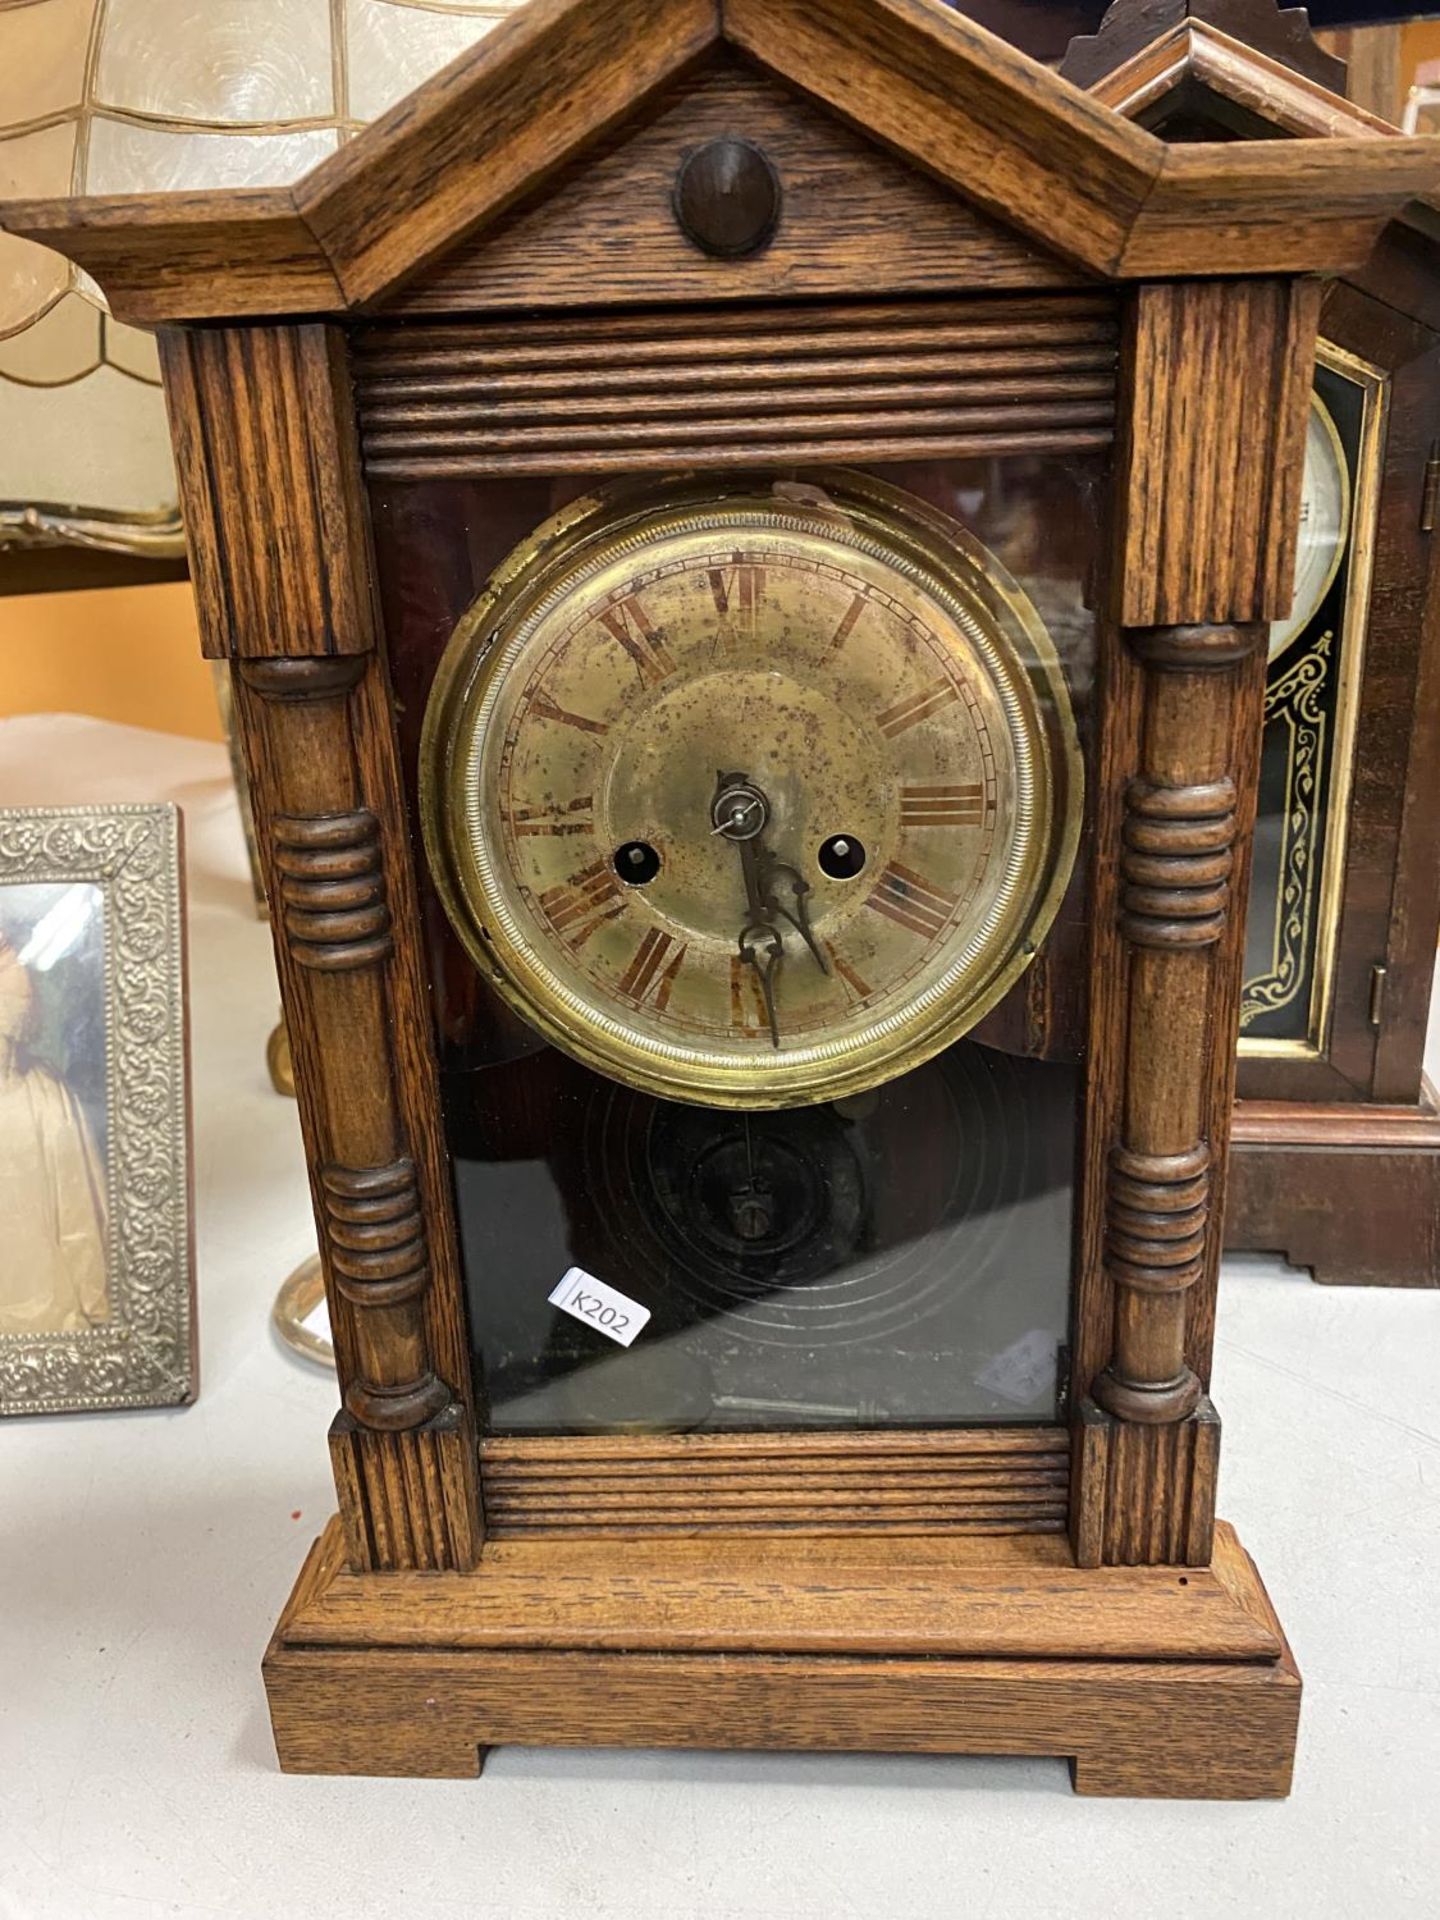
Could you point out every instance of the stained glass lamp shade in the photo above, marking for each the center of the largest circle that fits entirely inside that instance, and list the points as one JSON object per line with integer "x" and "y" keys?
{"x": 147, "y": 96}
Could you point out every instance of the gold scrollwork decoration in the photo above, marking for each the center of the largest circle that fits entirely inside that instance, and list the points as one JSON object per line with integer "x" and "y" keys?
{"x": 1297, "y": 701}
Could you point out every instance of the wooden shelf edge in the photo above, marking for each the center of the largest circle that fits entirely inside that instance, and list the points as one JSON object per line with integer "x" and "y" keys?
{"x": 1001, "y": 1597}
{"x": 1146, "y": 1726}
{"x": 1338, "y": 1126}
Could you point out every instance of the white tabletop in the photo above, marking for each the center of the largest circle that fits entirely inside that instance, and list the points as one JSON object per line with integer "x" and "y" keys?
{"x": 144, "y": 1558}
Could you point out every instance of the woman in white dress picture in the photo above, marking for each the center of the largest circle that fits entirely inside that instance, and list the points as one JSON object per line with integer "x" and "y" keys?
{"x": 52, "y": 1182}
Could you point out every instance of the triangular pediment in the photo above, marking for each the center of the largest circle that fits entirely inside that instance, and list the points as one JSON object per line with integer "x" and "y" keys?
{"x": 1198, "y": 81}
{"x": 851, "y": 216}
{"x": 557, "y": 78}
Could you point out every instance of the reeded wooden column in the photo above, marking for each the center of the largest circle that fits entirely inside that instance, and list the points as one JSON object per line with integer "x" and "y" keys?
{"x": 1209, "y": 466}
{"x": 264, "y": 429}
{"x": 1176, "y": 867}
{"x": 334, "y": 927}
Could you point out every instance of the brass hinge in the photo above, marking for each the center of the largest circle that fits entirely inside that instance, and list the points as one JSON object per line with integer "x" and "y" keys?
{"x": 1378, "y": 977}
{"x": 1430, "y": 497}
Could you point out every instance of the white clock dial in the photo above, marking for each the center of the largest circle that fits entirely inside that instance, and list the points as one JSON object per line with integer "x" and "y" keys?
{"x": 1324, "y": 525}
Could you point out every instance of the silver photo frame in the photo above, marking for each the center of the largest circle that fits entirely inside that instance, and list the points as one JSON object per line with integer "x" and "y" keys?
{"x": 97, "y": 1306}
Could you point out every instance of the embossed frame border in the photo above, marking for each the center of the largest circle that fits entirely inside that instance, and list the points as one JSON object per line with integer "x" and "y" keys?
{"x": 146, "y": 1355}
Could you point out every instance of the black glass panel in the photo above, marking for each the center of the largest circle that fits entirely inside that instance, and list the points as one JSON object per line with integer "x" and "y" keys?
{"x": 899, "y": 1257}
{"x": 903, "y": 1258}
{"x": 1298, "y": 769}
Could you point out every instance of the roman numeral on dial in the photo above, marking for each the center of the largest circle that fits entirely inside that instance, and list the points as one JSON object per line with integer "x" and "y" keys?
{"x": 629, "y": 623}
{"x": 942, "y": 806}
{"x": 544, "y": 708}
{"x": 908, "y": 897}
{"x": 847, "y": 626}
{"x": 583, "y": 902}
{"x": 747, "y": 1002}
{"x": 857, "y": 988}
{"x": 651, "y": 974}
{"x": 916, "y": 707}
{"x": 736, "y": 592}
{"x": 577, "y": 817}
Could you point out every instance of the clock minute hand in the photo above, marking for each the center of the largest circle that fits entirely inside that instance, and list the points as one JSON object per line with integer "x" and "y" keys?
{"x": 740, "y": 812}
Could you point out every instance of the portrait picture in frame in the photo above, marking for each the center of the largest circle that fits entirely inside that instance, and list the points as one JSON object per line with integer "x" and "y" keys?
{"x": 97, "y": 1244}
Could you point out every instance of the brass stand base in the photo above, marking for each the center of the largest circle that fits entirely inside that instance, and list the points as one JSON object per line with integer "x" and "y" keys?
{"x": 1151, "y": 1681}
{"x": 294, "y": 1304}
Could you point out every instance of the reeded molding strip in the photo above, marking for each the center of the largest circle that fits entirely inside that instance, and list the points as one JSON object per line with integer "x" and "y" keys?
{"x": 650, "y": 391}
{"x": 974, "y": 1480}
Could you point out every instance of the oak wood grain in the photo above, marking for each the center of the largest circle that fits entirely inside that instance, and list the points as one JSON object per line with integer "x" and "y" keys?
{"x": 996, "y": 128}
{"x": 1206, "y": 517}
{"x": 1133, "y": 30}
{"x": 551, "y": 78}
{"x": 429, "y": 1709}
{"x": 913, "y": 379}
{"x": 1212, "y": 505}
{"x": 933, "y": 1614}
{"x": 900, "y": 66}
{"x": 975, "y": 1480}
{"x": 268, "y": 459}
{"x": 221, "y": 255}
{"x": 852, "y": 218}
{"x": 1217, "y": 80}
{"x": 1366, "y": 1213}
{"x": 809, "y": 1598}
{"x": 262, "y": 421}
{"x": 1148, "y": 1491}
{"x": 408, "y": 1498}
{"x": 985, "y": 118}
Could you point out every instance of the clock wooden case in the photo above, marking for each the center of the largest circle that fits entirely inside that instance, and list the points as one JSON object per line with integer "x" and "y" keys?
{"x": 806, "y": 252}
{"x": 1336, "y": 1146}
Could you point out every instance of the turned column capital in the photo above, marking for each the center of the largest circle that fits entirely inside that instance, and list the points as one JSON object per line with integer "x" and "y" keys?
{"x": 303, "y": 676}
{"x": 1197, "y": 649}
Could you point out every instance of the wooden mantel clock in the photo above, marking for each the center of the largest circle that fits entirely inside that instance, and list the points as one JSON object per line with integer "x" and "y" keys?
{"x": 1336, "y": 1147}
{"x": 746, "y": 539}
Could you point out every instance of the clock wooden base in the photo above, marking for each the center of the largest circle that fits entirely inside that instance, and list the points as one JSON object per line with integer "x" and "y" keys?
{"x": 1350, "y": 1191}
{"x": 1156, "y": 1681}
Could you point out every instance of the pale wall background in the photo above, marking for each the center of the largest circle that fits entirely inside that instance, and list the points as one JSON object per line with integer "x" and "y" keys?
{"x": 120, "y": 653}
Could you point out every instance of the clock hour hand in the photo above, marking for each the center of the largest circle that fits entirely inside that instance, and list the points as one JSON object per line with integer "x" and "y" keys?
{"x": 741, "y": 812}
{"x": 799, "y": 915}
{"x": 762, "y": 949}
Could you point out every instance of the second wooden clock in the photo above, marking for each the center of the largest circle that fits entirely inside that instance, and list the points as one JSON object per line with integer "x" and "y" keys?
{"x": 1337, "y": 1140}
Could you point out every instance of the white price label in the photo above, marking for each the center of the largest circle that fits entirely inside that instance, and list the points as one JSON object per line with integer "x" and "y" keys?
{"x": 585, "y": 1298}
{"x": 1023, "y": 1371}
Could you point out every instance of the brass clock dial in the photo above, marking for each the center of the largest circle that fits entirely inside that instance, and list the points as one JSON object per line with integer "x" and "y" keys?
{"x": 751, "y": 795}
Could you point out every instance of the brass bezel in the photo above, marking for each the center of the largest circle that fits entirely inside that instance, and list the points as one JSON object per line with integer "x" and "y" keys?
{"x": 926, "y": 543}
